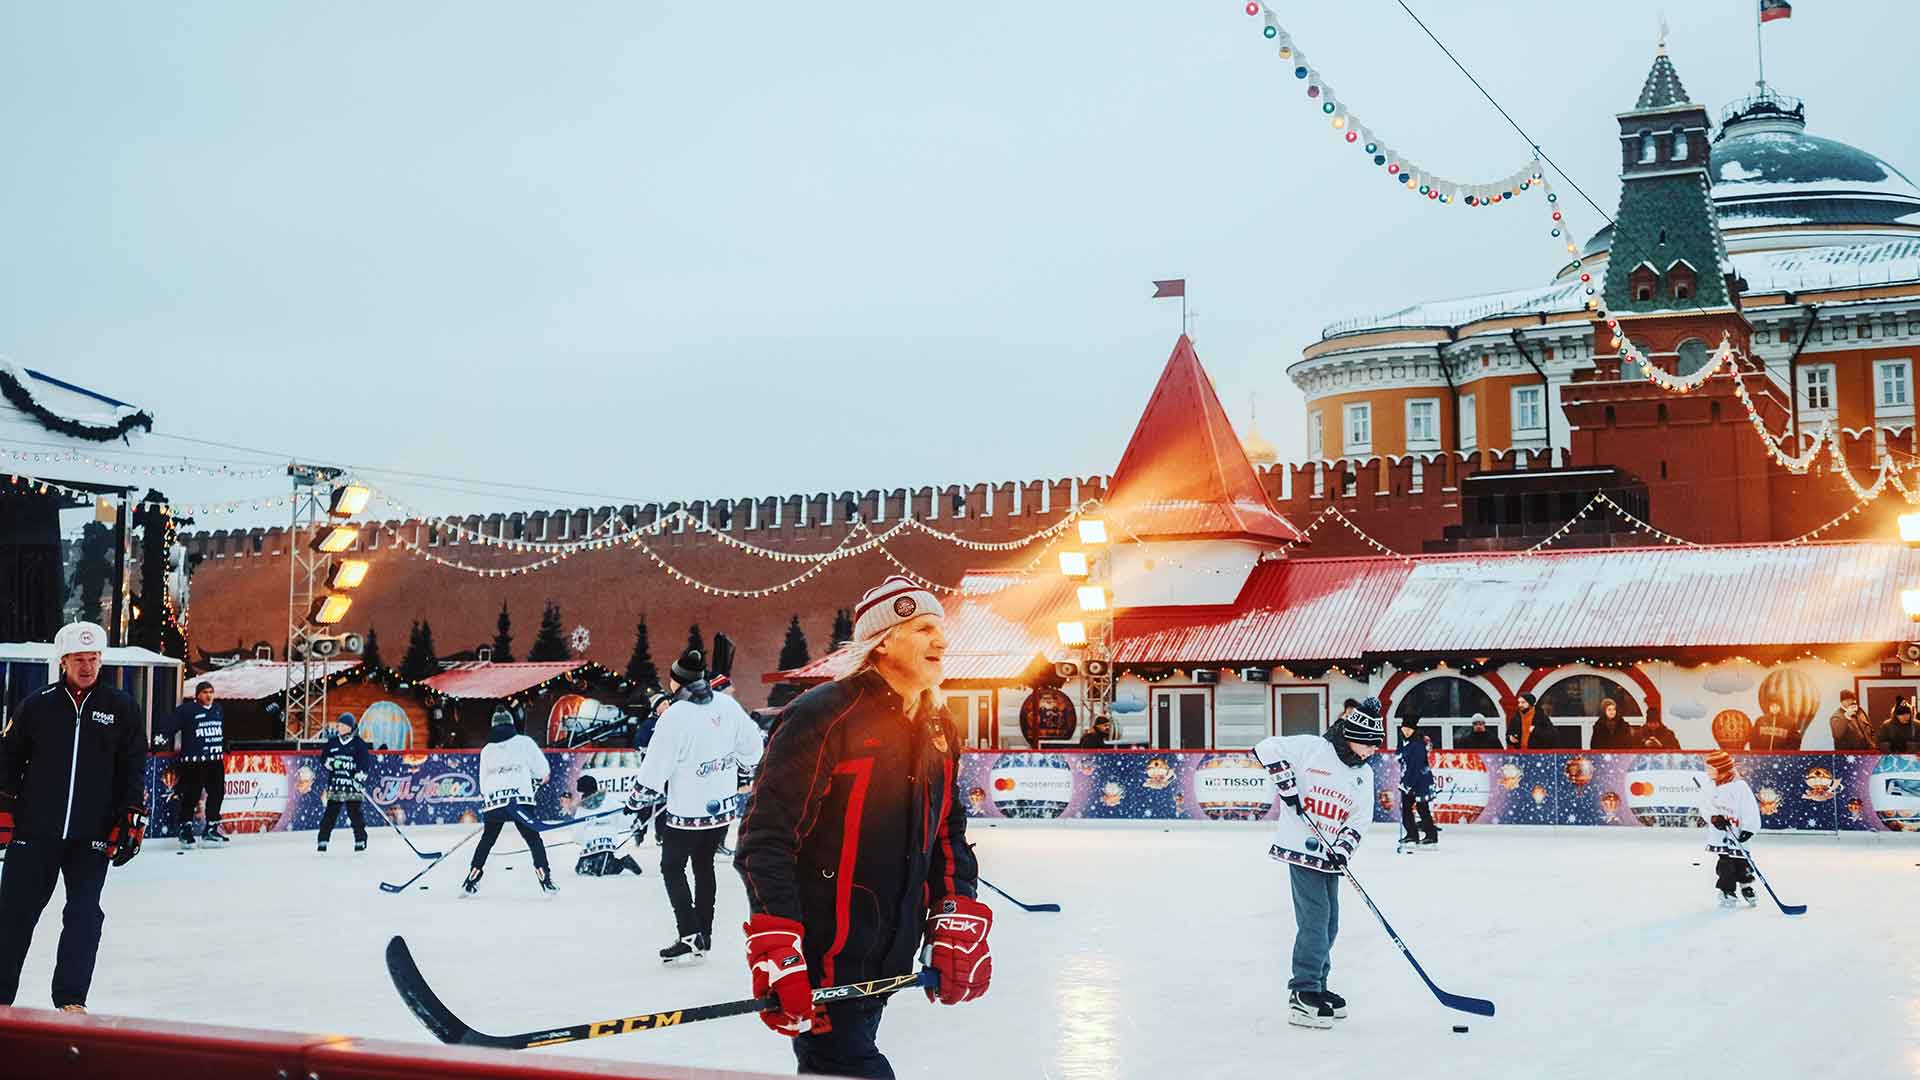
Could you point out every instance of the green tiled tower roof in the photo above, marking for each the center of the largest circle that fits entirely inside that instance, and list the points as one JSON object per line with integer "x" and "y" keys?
{"x": 1663, "y": 87}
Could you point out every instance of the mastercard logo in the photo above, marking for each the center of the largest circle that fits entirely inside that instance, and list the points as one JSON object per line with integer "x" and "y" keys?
{"x": 1640, "y": 787}
{"x": 1003, "y": 783}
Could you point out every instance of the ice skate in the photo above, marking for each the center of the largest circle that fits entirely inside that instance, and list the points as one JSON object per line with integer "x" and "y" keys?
{"x": 81, "y": 1009}
{"x": 1747, "y": 894}
{"x": 359, "y": 845}
{"x": 1335, "y": 1002}
{"x": 688, "y": 950}
{"x": 213, "y": 835}
{"x": 321, "y": 847}
{"x": 1308, "y": 1009}
{"x": 1728, "y": 901}
{"x": 471, "y": 886}
{"x": 544, "y": 875}
{"x": 186, "y": 839}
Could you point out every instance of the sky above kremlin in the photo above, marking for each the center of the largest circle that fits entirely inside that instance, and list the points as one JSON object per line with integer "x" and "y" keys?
{"x": 645, "y": 251}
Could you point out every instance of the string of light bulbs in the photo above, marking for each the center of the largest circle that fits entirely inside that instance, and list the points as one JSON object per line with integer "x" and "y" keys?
{"x": 75, "y": 457}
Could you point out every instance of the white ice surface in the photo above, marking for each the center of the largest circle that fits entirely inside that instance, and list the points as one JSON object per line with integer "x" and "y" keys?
{"x": 1602, "y": 947}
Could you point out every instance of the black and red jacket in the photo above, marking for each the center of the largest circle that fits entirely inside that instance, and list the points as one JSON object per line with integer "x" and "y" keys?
{"x": 855, "y": 828}
{"x": 75, "y": 762}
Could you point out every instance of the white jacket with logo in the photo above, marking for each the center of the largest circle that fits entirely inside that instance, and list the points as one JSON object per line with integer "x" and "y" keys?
{"x": 1734, "y": 801}
{"x": 694, "y": 763}
{"x": 1338, "y": 796}
{"x": 511, "y": 771}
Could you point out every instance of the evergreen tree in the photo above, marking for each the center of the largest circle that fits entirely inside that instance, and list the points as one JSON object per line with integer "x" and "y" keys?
{"x": 154, "y": 626}
{"x": 793, "y": 654}
{"x": 694, "y": 640}
{"x": 503, "y": 637}
{"x": 421, "y": 661}
{"x": 94, "y": 570}
{"x": 842, "y": 627}
{"x": 551, "y": 642}
{"x": 640, "y": 666}
{"x": 370, "y": 658}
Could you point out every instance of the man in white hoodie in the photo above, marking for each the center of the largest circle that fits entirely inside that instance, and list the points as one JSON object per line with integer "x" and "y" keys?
{"x": 1327, "y": 788}
{"x": 704, "y": 745}
{"x": 512, "y": 768}
{"x": 1733, "y": 816}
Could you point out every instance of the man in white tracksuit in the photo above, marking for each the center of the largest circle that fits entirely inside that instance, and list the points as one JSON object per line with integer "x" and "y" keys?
{"x": 512, "y": 768}
{"x": 1733, "y": 816}
{"x": 702, "y": 747}
{"x": 1325, "y": 779}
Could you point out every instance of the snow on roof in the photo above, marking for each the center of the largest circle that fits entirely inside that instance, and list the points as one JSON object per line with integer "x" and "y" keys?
{"x": 1779, "y": 161}
{"x": 1834, "y": 266}
{"x": 252, "y": 680}
{"x": 484, "y": 679}
{"x": 21, "y": 428}
{"x": 1556, "y": 297}
{"x": 116, "y": 656}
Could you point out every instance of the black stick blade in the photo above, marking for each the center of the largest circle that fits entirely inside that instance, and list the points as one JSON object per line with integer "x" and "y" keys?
{"x": 420, "y": 998}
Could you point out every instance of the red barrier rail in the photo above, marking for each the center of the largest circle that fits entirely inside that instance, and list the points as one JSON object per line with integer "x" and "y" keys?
{"x": 37, "y": 1043}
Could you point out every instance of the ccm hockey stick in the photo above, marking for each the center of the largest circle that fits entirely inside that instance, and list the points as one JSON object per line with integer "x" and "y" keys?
{"x": 1460, "y": 1002}
{"x": 1785, "y": 908}
{"x": 390, "y": 887}
{"x": 1017, "y": 903}
{"x": 448, "y": 1028}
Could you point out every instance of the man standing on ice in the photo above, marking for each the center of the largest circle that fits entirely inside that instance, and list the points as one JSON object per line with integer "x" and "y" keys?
{"x": 702, "y": 745}
{"x": 348, "y": 762}
{"x": 854, "y": 845}
{"x": 512, "y": 768}
{"x": 1733, "y": 815}
{"x": 73, "y": 780}
{"x": 200, "y": 766}
{"x": 1327, "y": 787}
{"x": 1416, "y": 786}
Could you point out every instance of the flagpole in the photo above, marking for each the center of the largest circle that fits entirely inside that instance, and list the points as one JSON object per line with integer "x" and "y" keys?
{"x": 1759, "y": 52}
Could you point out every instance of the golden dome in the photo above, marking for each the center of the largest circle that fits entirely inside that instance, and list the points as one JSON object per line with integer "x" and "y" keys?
{"x": 1258, "y": 450}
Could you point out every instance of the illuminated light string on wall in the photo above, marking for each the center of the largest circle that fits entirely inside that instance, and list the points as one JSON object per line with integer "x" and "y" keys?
{"x": 64, "y": 457}
{"x": 1412, "y": 176}
{"x": 1825, "y": 439}
{"x": 42, "y": 486}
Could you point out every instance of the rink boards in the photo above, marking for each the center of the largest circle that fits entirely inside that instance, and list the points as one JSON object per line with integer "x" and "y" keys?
{"x": 1819, "y": 791}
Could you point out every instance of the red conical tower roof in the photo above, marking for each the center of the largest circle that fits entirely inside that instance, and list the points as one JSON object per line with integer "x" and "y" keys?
{"x": 1184, "y": 474}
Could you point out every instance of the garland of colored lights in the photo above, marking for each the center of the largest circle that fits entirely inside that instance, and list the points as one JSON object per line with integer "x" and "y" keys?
{"x": 42, "y": 457}
{"x": 1409, "y": 175}
{"x": 42, "y": 486}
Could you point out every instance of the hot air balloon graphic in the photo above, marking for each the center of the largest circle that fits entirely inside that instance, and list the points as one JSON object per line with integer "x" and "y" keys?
{"x": 1731, "y": 728}
{"x": 1788, "y": 700}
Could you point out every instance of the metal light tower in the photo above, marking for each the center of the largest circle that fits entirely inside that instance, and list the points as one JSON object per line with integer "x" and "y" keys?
{"x": 316, "y": 601}
{"x": 1092, "y": 634}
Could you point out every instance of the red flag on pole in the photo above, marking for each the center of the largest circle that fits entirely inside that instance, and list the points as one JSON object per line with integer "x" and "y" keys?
{"x": 1174, "y": 287}
{"x": 1775, "y": 9}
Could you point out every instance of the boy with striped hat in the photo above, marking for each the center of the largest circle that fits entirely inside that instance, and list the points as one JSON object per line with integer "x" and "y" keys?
{"x": 1733, "y": 815}
{"x": 1327, "y": 786}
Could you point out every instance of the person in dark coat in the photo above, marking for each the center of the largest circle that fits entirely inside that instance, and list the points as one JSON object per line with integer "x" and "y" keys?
{"x": 854, "y": 844}
{"x": 1656, "y": 735}
{"x": 1611, "y": 731}
{"x": 1899, "y": 735}
{"x": 1416, "y": 786}
{"x": 1099, "y": 736}
{"x": 1529, "y": 728}
{"x": 200, "y": 766}
{"x": 1852, "y": 728}
{"x": 348, "y": 762}
{"x": 1480, "y": 738}
{"x": 73, "y": 795}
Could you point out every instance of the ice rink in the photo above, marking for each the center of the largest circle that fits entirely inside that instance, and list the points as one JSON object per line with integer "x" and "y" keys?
{"x": 1603, "y": 949}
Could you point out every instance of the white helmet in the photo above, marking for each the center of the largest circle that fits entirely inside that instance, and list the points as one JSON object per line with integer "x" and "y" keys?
{"x": 78, "y": 637}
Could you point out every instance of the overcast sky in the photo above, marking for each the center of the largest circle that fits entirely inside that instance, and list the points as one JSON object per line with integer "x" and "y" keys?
{"x": 650, "y": 251}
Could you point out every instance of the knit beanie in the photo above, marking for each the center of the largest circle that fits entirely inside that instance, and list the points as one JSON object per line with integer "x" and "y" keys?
{"x": 890, "y": 603}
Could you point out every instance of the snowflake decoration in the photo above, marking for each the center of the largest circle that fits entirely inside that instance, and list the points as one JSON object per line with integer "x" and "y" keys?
{"x": 579, "y": 640}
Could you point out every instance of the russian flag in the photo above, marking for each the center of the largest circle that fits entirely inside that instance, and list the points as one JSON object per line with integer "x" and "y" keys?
{"x": 1775, "y": 9}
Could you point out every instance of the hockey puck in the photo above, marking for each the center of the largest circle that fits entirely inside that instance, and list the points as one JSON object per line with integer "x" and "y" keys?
{"x": 1459, "y": 1029}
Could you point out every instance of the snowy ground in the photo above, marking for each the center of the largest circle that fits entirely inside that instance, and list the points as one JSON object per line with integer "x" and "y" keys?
{"x": 1602, "y": 948}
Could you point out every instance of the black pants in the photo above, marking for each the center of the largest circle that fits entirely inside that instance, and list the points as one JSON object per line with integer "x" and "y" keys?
{"x": 1408, "y": 802}
{"x": 26, "y": 884}
{"x": 1732, "y": 870}
{"x": 848, "y": 1049}
{"x": 496, "y": 819}
{"x": 693, "y": 911}
{"x": 350, "y": 808}
{"x": 197, "y": 778}
{"x": 605, "y": 864}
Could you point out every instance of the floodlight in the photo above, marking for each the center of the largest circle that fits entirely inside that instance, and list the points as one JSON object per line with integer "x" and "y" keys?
{"x": 1910, "y": 529}
{"x": 347, "y": 574}
{"x": 1074, "y": 564}
{"x": 328, "y": 610}
{"x": 1093, "y": 531}
{"x": 1072, "y": 633}
{"x": 348, "y": 500}
{"x": 334, "y": 539}
{"x": 1092, "y": 598}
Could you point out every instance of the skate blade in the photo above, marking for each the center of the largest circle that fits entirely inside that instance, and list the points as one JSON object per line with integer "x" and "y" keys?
{"x": 1309, "y": 1020}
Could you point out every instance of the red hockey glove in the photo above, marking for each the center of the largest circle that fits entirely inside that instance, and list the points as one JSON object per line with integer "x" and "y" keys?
{"x": 957, "y": 948}
{"x": 780, "y": 970}
{"x": 123, "y": 843}
{"x": 6, "y": 818}
{"x": 1719, "y": 821}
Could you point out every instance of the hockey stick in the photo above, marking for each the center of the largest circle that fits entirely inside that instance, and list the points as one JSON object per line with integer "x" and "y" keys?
{"x": 377, "y": 812}
{"x": 390, "y": 887}
{"x": 1785, "y": 908}
{"x": 1022, "y": 906}
{"x": 448, "y": 1028}
{"x": 1474, "y": 1005}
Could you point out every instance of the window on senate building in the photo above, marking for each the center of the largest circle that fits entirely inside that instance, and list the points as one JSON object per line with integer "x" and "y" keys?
{"x": 1423, "y": 424}
{"x": 1357, "y": 433}
{"x": 1816, "y": 387}
{"x": 1469, "y": 424}
{"x": 1890, "y": 376}
{"x": 1529, "y": 410}
{"x": 1316, "y": 436}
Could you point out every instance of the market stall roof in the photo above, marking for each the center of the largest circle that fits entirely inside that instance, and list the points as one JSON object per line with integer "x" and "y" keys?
{"x": 253, "y": 680}
{"x": 41, "y": 415}
{"x": 1629, "y": 599}
{"x": 1000, "y": 631}
{"x": 485, "y": 679}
